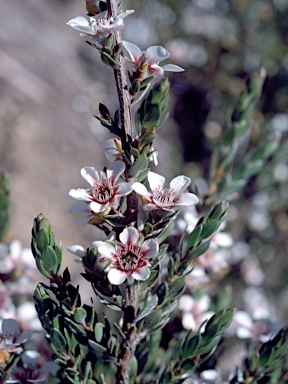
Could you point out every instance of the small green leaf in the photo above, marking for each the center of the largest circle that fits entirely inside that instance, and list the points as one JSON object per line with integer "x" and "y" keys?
{"x": 80, "y": 315}
{"x": 152, "y": 118}
{"x": 191, "y": 345}
{"x": 49, "y": 259}
{"x": 140, "y": 165}
{"x": 98, "y": 332}
{"x": 194, "y": 236}
{"x": 96, "y": 347}
{"x": 161, "y": 292}
{"x": 209, "y": 228}
{"x": 176, "y": 288}
{"x": 148, "y": 309}
{"x": 58, "y": 340}
{"x": 42, "y": 240}
{"x": 202, "y": 248}
{"x": 153, "y": 320}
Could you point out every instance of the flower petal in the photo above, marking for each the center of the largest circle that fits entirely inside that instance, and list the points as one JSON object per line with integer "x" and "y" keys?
{"x": 90, "y": 175}
{"x": 149, "y": 248}
{"x": 187, "y": 199}
{"x": 180, "y": 183}
{"x": 156, "y": 54}
{"x": 172, "y": 68}
{"x": 141, "y": 190}
{"x": 80, "y": 194}
{"x": 116, "y": 277}
{"x": 107, "y": 251}
{"x": 155, "y": 180}
{"x": 81, "y": 24}
{"x": 130, "y": 235}
{"x": 141, "y": 273}
{"x": 124, "y": 189}
{"x": 115, "y": 169}
{"x": 134, "y": 51}
{"x": 126, "y": 13}
{"x": 96, "y": 207}
{"x": 76, "y": 250}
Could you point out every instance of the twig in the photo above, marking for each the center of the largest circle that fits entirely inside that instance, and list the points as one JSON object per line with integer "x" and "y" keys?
{"x": 130, "y": 304}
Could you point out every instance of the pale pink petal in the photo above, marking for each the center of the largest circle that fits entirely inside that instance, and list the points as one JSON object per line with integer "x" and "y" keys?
{"x": 149, "y": 248}
{"x": 172, "y": 68}
{"x": 161, "y": 205}
{"x": 114, "y": 203}
{"x": 90, "y": 175}
{"x": 80, "y": 194}
{"x": 126, "y": 13}
{"x": 116, "y": 277}
{"x": 96, "y": 207}
{"x": 115, "y": 169}
{"x": 156, "y": 54}
{"x": 130, "y": 235}
{"x": 155, "y": 180}
{"x": 77, "y": 250}
{"x": 180, "y": 183}
{"x": 141, "y": 273}
{"x": 81, "y": 25}
{"x": 187, "y": 199}
{"x": 155, "y": 70}
{"x": 107, "y": 251}
{"x": 141, "y": 190}
{"x": 133, "y": 51}
{"x": 123, "y": 189}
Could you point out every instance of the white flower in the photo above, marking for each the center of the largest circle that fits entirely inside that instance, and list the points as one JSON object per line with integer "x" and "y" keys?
{"x": 165, "y": 198}
{"x": 128, "y": 257}
{"x": 106, "y": 190}
{"x": 153, "y": 56}
{"x": 100, "y": 25}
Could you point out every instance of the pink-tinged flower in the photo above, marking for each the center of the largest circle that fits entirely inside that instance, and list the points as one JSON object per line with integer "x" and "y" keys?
{"x": 100, "y": 25}
{"x": 153, "y": 56}
{"x": 165, "y": 198}
{"x": 128, "y": 258}
{"x": 106, "y": 189}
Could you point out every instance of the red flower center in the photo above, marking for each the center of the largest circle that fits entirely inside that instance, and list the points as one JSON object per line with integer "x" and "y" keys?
{"x": 103, "y": 191}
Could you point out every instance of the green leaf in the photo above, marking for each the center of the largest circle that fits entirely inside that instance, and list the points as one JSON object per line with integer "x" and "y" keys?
{"x": 58, "y": 340}
{"x": 194, "y": 236}
{"x": 96, "y": 347}
{"x": 49, "y": 259}
{"x": 176, "y": 288}
{"x": 140, "y": 165}
{"x": 153, "y": 320}
{"x": 98, "y": 332}
{"x": 80, "y": 315}
{"x": 191, "y": 345}
{"x": 161, "y": 292}
{"x": 200, "y": 250}
{"x": 209, "y": 228}
{"x": 148, "y": 308}
{"x": 151, "y": 119}
{"x": 42, "y": 240}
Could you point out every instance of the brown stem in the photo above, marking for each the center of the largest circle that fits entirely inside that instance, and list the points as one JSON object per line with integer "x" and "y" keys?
{"x": 125, "y": 115}
{"x": 130, "y": 304}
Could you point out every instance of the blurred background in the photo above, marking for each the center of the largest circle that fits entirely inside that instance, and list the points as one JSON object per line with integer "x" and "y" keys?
{"x": 51, "y": 83}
